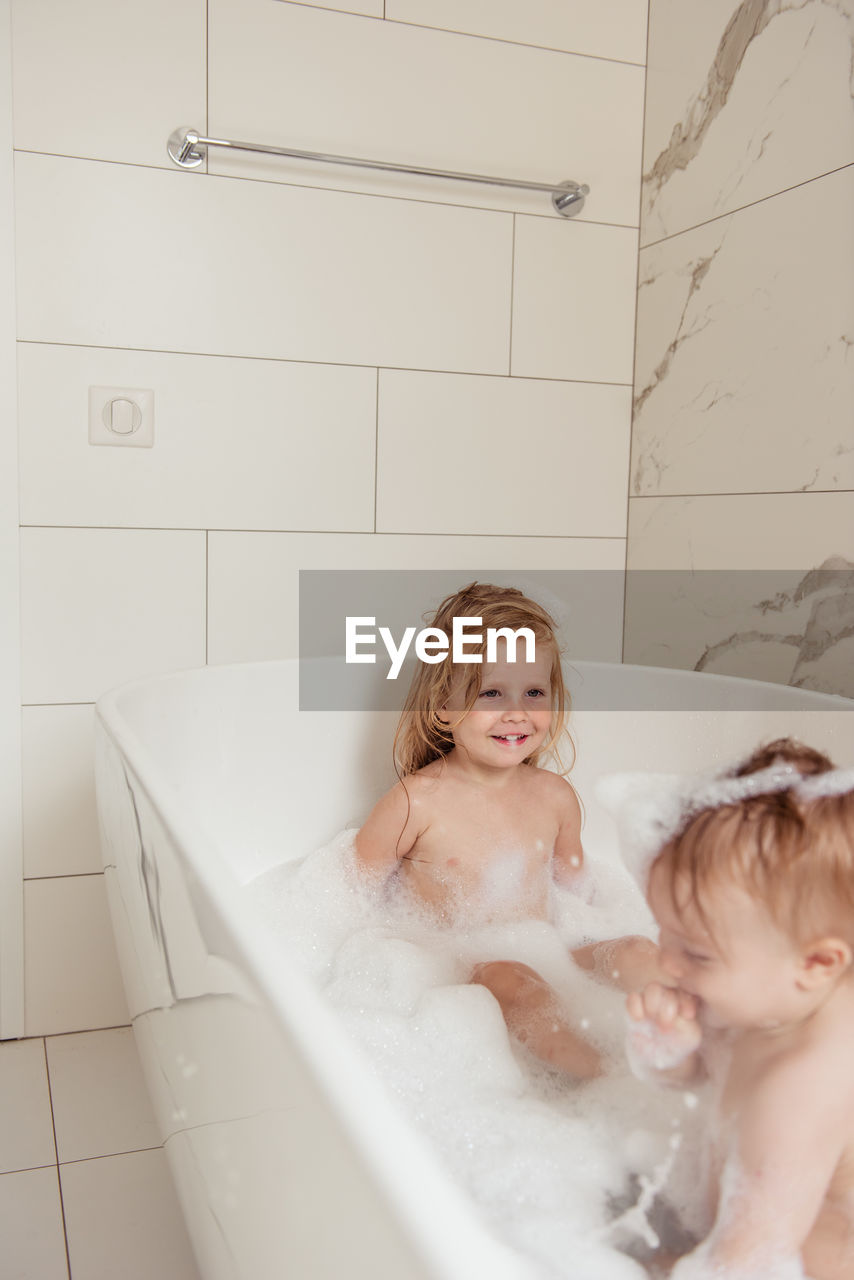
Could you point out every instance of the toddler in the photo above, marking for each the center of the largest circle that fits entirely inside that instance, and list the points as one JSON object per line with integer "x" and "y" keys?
{"x": 753, "y": 892}
{"x": 475, "y": 826}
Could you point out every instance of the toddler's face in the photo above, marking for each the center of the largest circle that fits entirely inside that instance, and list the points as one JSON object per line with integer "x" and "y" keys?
{"x": 744, "y": 973}
{"x": 512, "y": 714}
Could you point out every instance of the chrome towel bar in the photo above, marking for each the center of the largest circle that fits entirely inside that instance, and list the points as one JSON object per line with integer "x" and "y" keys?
{"x": 188, "y": 149}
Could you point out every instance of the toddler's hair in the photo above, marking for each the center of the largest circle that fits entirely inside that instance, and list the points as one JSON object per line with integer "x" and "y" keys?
{"x": 791, "y": 852}
{"x": 421, "y": 734}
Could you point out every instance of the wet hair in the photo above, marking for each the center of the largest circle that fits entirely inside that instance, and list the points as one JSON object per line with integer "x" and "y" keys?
{"x": 788, "y": 849}
{"x": 422, "y": 735}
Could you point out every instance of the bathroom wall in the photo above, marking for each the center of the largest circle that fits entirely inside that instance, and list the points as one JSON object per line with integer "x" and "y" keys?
{"x": 742, "y": 465}
{"x": 349, "y": 370}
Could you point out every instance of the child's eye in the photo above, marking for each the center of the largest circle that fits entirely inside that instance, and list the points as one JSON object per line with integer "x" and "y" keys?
{"x": 536, "y": 693}
{"x": 489, "y": 693}
{"x": 697, "y": 957}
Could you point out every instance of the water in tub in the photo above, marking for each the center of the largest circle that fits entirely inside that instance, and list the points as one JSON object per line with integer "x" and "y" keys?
{"x": 576, "y": 1177}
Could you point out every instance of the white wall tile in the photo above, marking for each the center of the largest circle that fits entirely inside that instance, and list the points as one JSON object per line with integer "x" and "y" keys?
{"x": 100, "y": 1103}
{"x": 254, "y": 580}
{"x": 744, "y": 376}
{"x": 238, "y": 444}
{"x": 474, "y": 455}
{"x": 122, "y": 1218}
{"x": 371, "y": 8}
{"x": 110, "y": 81}
{"x": 31, "y": 1226}
{"x": 103, "y": 606}
{"x": 573, "y": 301}
{"x": 60, "y": 819}
{"x": 124, "y": 256}
{"x": 297, "y": 76}
{"x": 71, "y": 970}
{"x": 602, "y": 28}
{"x": 738, "y": 111}
{"x": 25, "y": 1115}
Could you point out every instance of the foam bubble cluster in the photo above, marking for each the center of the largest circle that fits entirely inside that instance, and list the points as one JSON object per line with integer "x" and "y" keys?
{"x": 574, "y": 1176}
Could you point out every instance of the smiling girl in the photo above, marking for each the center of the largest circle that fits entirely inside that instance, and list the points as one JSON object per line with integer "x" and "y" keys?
{"x": 475, "y": 829}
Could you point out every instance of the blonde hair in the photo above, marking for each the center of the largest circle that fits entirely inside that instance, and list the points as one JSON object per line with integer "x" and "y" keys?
{"x": 792, "y": 853}
{"x": 422, "y": 735}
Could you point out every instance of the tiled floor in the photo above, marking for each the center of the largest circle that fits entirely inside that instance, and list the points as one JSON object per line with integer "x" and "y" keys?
{"x": 85, "y": 1190}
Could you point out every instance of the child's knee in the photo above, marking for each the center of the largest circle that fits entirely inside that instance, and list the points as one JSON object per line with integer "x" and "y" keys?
{"x": 506, "y": 979}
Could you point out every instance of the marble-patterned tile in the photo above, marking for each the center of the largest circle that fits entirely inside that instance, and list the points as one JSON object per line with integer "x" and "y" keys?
{"x": 305, "y": 77}
{"x": 744, "y": 375}
{"x": 530, "y": 457}
{"x": 125, "y": 256}
{"x": 573, "y": 301}
{"x": 744, "y": 99}
{"x": 238, "y": 444}
{"x": 758, "y": 585}
{"x": 81, "y": 71}
{"x": 599, "y": 28}
{"x": 254, "y": 582}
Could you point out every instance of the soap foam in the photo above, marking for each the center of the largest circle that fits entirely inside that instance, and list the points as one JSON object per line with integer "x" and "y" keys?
{"x": 562, "y": 1171}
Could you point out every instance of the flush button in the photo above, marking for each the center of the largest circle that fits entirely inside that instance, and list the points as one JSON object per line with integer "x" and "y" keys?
{"x": 122, "y": 416}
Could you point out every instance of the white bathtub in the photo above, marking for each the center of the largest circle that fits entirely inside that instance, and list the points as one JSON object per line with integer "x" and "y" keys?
{"x": 290, "y": 1161}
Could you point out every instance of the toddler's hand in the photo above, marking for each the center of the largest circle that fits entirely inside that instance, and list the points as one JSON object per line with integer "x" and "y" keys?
{"x": 663, "y": 1030}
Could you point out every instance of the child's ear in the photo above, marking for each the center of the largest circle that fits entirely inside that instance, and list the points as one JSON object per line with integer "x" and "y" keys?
{"x": 823, "y": 961}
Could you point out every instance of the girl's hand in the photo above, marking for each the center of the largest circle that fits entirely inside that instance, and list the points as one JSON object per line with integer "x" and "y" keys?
{"x": 664, "y": 1033}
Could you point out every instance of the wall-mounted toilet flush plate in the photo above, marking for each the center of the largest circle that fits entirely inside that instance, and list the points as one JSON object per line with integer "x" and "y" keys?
{"x": 121, "y": 415}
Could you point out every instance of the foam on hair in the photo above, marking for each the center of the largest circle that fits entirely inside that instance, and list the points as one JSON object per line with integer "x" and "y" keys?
{"x": 780, "y": 824}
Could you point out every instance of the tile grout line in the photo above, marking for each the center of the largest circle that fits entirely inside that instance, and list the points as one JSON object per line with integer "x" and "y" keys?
{"x": 56, "y": 1153}
{"x": 636, "y": 329}
{"x": 742, "y": 208}
{"x": 512, "y": 296}
{"x": 376, "y": 447}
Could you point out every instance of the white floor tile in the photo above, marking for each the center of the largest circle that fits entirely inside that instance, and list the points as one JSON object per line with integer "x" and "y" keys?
{"x": 25, "y": 1119}
{"x": 100, "y": 1102}
{"x": 123, "y": 1219}
{"x": 100, "y": 607}
{"x": 60, "y": 818}
{"x": 72, "y": 979}
{"x": 31, "y": 1226}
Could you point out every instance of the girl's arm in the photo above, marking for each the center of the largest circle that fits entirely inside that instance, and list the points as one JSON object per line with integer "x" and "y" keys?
{"x": 390, "y": 831}
{"x": 568, "y": 856}
{"x": 789, "y": 1141}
